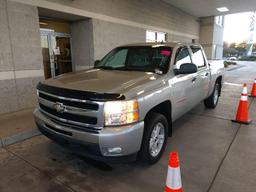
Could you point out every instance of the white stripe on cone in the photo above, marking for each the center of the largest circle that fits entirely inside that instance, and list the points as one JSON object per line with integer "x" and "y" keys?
{"x": 244, "y": 98}
{"x": 245, "y": 90}
{"x": 173, "y": 180}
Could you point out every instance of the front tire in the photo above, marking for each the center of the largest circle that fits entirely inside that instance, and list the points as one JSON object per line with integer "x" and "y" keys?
{"x": 212, "y": 101}
{"x": 154, "y": 138}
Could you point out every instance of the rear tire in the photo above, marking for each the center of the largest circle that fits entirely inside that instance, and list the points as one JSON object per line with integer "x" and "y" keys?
{"x": 212, "y": 101}
{"x": 154, "y": 138}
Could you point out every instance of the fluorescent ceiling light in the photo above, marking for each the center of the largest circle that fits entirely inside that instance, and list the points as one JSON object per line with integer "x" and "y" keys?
{"x": 222, "y": 9}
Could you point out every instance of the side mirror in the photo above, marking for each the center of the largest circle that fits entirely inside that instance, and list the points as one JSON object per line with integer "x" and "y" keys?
{"x": 187, "y": 68}
{"x": 96, "y": 63}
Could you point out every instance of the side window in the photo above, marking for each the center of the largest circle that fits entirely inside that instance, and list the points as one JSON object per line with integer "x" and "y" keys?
{"x": 182, "y": 57}
{"x": 198, "y": 57}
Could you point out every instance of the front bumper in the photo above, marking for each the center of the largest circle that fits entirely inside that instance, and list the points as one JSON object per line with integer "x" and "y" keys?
{"x": 127, "y": 139}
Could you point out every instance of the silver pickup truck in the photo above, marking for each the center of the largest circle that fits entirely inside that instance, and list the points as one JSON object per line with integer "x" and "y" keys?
{"x": 124, "y": 107}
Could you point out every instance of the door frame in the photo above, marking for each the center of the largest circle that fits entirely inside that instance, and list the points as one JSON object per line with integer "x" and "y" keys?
{"x": 51, "y": 38}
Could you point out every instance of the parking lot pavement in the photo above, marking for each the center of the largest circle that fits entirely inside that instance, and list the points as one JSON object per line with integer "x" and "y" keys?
{"x": 19, "y": 175}
{"x": 16, "y": 127}
{"x": 253, "y": 111}
{"x": 201, "y": 142}
{"x": 227, "y": 104}
{"x": 238, "y": 171}
{"x": 215, "y": 154}
{"x": 244, "y": 74}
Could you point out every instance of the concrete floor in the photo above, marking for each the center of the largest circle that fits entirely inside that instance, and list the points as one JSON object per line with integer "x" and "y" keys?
{"x": 17, "y": 126}
{"x": 216, "y": 155}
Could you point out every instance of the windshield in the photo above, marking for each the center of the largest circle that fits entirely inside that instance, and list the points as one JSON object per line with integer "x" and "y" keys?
{"x": 138, "y": 58}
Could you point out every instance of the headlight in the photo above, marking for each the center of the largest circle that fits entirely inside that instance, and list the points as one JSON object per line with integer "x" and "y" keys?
{"x": 121, "y": 112}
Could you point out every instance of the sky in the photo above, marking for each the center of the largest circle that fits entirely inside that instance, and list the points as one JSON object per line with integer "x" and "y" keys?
{"x": 236, "y": 27}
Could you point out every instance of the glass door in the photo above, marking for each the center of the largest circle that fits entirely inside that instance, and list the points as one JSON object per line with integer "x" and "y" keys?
{"x": 56, "y": 51}
{"x": 62, "y": 55}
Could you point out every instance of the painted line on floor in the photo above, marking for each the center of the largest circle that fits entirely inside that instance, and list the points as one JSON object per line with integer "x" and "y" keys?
{"x": 211, "y": 116}
{"x": 233, "y": 84}
{"x": 236, "y": 68}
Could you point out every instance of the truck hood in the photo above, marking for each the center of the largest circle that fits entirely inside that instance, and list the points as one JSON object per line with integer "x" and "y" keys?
{"x": 102, "y": 81}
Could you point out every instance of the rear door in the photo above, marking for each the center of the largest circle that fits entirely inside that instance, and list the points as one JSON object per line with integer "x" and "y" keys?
{"x": 203, "y": 78}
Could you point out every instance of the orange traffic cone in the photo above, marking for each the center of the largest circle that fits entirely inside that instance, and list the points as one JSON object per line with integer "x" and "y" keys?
{"x": 173, "y": 181}
{"x": 253, "y": 93}
{"x": 242, "y": 115}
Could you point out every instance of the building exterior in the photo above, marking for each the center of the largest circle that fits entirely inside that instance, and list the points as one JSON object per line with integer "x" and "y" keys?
{"x": 43, "y": 39}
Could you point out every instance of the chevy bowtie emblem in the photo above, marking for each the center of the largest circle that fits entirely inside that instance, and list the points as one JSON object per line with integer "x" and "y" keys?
{"x": 59, "y": 107}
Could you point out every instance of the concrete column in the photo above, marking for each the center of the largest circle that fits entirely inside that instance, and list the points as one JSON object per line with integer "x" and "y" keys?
{"x": 211, "y": 37}
{"x": 8, "y": 94}
{"x": 82, "y": 44}
{"x": 20, "y": 56}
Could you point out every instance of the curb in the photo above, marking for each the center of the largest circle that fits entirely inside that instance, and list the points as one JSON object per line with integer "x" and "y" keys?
{"x": 18, "y": 137}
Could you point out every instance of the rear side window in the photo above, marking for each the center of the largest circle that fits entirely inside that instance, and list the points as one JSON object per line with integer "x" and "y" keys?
{"x": 182, "y": 57}
{"x": 198, "y": 57}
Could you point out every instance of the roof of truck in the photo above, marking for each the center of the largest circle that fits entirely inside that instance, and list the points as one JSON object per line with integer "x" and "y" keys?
{"x": 168, "y": 44}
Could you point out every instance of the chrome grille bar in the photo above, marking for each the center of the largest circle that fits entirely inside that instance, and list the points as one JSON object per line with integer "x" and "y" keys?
{"x": 69, "y": 109}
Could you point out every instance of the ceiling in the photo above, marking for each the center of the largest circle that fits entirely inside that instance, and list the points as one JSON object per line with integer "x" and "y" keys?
{"x": 203, "y": 8}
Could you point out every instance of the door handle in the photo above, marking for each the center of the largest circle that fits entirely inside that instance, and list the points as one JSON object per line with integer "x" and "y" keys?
{"x": 206, "y": 74}
{"x": 193, "y": 80}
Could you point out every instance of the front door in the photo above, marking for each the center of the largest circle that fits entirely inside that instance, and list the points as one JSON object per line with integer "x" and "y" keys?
{"x": 185, "y": 85}
{"x": 56, "y": 51}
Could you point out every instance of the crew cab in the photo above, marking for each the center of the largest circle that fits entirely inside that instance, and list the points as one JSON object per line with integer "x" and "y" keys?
{"x": 123, "y": 108}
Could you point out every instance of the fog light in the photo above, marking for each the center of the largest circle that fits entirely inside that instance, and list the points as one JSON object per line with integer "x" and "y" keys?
{"x": 115, "y": 150}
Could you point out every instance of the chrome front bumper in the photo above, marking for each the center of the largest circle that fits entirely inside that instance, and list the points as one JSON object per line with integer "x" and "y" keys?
{"x": 112, "y": 141}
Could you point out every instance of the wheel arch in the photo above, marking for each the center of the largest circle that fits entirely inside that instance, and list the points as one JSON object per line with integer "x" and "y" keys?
{"x": 164, "y": 108}
{"x": 219, "y": 80}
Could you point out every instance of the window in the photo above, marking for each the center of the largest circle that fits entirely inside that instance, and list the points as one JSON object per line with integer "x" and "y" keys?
{"x": 219, "y": 20}
{"x": 155, "y": 36}
{"x": 116, "y": 60}
{"x": 182, "y": 57}
{"x": 198, "y": 57}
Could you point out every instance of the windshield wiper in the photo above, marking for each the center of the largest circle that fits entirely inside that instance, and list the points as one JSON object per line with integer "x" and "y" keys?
{"x": 111, "y": 68}
{"x": 104, "y": 67}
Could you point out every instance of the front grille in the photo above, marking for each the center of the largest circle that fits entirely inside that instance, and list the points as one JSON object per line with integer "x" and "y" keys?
{"x": 71, "y": 112}
{"x": 70, "y": 117}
